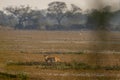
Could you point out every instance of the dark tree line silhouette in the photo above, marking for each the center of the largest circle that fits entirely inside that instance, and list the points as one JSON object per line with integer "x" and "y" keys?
{"x": 58, "y": 17}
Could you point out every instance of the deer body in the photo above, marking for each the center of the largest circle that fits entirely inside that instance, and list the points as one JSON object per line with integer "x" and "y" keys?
{"x": 51, "y": 59}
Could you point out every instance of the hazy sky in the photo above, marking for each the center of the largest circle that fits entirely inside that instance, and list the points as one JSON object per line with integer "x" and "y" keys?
{"x": 42, "y": 4}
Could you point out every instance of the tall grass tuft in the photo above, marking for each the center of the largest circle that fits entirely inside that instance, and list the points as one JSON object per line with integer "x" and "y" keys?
{"x": 22, "y": 76}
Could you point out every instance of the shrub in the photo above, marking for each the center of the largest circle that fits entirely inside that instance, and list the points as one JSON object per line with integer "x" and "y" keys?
{"x": 22, "y": 76}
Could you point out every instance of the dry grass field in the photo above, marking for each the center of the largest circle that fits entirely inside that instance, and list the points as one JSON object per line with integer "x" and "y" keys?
{"x": 85, "y": 55}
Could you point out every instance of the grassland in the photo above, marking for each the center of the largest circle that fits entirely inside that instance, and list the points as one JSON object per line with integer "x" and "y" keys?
{"x": 86, "y": 55}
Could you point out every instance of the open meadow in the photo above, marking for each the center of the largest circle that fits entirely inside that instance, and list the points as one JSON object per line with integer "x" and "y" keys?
{"x": 85, "y": 55}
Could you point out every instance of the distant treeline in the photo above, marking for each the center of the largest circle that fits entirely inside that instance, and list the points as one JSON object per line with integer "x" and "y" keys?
{"x": 59, "y": 17}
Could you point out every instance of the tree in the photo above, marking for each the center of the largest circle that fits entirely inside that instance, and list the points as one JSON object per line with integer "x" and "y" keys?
{"x": 2, "y": 18}
{"x": 20, "y": 13}
{"x": 36, "y": 20}
{"x": 58, "y": 9}
{"x": 99, "y": 18}
{"x": 75, "y": 9}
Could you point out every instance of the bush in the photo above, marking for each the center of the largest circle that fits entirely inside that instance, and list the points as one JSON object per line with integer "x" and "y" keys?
{"x": 22, "y": 76}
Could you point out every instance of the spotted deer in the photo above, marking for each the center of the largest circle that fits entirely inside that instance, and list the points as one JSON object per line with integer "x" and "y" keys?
{"x": 51, "y": 59}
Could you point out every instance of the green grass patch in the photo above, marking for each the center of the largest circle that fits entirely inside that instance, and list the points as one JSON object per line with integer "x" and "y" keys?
{"x": 64, "y": 65}
{"x": 22, "y": 76}
{"x": 60, "y": 65}
{"x": 112, "y": 67}
{"x": 8, "y": 76}
{"x": 74, "y": 52}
